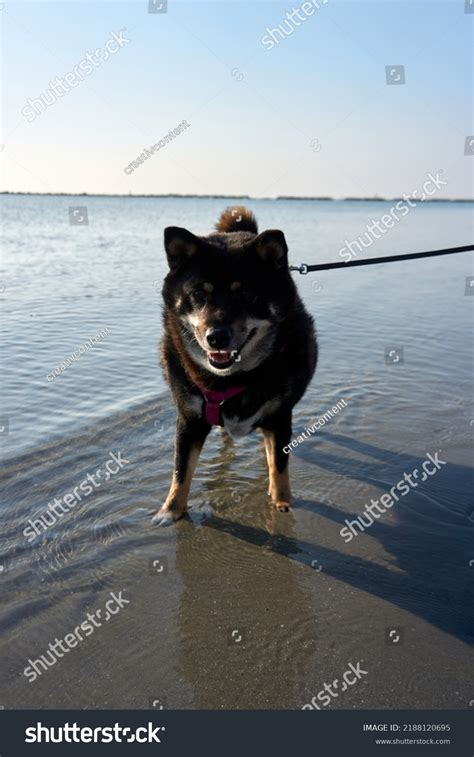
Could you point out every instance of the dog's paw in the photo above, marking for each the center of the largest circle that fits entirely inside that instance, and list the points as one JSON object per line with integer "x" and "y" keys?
{"x": 166, "y": 518}
{"x": 282, "y": 507}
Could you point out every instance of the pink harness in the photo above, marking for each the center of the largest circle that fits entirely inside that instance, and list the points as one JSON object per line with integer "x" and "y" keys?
{"x": 214, "y": 400}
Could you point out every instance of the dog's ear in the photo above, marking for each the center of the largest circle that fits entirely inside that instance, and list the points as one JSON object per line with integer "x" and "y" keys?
{"x": 272, "y": 248}
{"x": 180, "y": 245}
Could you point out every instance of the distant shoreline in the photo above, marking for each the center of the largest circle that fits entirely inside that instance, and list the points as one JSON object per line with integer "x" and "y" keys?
{"x": 233, "y": 197}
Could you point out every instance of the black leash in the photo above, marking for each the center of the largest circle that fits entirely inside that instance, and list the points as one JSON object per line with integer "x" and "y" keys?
{"x": 304, "y": 268}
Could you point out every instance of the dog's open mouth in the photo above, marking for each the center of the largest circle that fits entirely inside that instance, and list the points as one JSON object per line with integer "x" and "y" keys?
{"x": 223, "y": 359}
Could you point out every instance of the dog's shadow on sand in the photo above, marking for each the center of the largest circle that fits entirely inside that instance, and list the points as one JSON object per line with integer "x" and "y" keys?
{"x": 431, "y": 543}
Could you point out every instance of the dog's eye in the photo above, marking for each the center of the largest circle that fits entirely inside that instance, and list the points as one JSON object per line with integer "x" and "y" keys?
{"x": 249, "y": 296}
{"x": 198, "y": 296}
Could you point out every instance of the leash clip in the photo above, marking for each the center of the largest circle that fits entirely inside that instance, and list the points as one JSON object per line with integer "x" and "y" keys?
{"x": 301, "y": 268}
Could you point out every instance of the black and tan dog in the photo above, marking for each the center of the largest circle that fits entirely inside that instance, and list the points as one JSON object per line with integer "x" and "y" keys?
{"x": 239, "y": 349}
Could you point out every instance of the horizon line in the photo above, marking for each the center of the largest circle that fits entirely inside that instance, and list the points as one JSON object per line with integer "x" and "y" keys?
{"x": 237, "y": 197}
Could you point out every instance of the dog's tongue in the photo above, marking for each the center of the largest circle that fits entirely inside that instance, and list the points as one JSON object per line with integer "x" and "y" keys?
{"x": 220, "y": 357}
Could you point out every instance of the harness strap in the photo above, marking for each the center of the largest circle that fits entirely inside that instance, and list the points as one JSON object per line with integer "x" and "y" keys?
{"x": 214, "y": 400}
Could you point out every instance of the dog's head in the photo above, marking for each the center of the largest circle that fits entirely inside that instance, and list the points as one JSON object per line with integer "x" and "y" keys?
{"x": 229, "y": 293}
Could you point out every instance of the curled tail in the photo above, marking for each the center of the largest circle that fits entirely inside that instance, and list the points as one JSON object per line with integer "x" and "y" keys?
{"x": 237, "y": 218}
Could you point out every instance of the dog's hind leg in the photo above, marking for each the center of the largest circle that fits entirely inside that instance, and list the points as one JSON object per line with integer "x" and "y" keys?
{"x": 190, "y": 437}
{"x": 267, "y": 441}
{"x": 276, "y": 438}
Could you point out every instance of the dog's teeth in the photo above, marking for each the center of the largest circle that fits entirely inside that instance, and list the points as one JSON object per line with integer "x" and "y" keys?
{"x": 221, "y": 356}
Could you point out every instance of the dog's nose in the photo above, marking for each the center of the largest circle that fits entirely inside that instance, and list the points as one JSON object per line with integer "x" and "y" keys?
{"x": 219, "y": 338}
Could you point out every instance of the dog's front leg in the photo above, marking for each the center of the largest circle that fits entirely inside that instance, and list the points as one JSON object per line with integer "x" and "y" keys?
{"x": 190, "y": 437}
{"x": 276, "y": 436}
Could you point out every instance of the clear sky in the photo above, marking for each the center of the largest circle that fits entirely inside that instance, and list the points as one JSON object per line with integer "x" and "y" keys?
{"x": 313, "y": 116}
